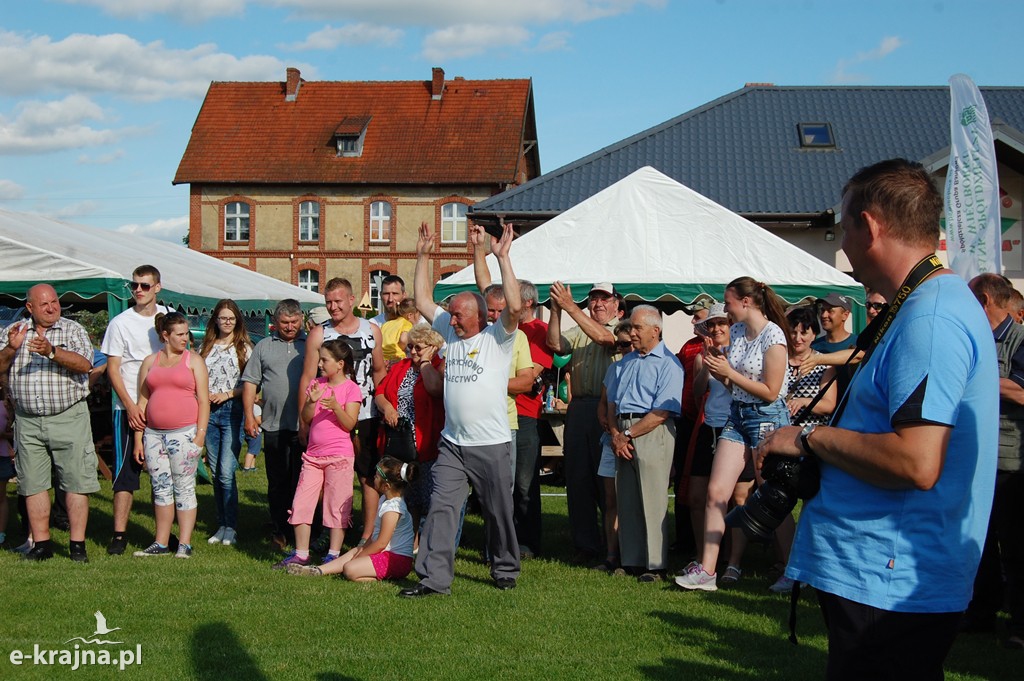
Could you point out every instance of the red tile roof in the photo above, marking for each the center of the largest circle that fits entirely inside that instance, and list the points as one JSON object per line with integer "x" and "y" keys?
{"x": 248, "y": 133}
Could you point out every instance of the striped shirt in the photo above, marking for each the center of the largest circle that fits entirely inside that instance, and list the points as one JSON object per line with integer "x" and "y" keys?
{"x": 40, "y": 386}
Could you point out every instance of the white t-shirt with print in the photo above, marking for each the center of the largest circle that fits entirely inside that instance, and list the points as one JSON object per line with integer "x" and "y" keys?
{"x": 747, "y": 356}
{"x": 475, "y": 384}
{"x": 133, "y": 338}
{"x": 402, "y": 540}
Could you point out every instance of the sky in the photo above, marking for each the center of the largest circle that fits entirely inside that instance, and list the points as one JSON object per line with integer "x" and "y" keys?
{"x": 98, "y": 97}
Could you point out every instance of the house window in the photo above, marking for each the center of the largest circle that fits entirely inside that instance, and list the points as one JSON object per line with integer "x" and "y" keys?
{"x": 309, "y": 280}
{"x": 816, "y": 135}
{"x": 453, "y": 223}
{"x": 376, "y": 277}
{"x": 236, "y": 221}
{"x": 309, "y": 221}
{"x": 380, "y": 221}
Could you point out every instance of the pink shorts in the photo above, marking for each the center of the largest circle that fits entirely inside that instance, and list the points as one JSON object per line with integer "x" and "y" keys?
{"x": 333, "y": 475}
{"x": 390, "y": 565}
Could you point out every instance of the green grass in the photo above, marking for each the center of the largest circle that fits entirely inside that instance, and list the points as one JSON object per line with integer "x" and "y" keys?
{"x": 226, "y": 615}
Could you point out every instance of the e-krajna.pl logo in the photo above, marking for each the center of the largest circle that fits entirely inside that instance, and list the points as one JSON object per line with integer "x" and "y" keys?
{"x": 80, "y": 655}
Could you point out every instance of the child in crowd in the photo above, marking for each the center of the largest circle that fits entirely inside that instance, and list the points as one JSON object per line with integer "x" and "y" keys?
{"x": 393, "y": 333}
{"x": 331, "y": 412}
{"x": 6, "y": 455}
{"x": 388, "y": 554}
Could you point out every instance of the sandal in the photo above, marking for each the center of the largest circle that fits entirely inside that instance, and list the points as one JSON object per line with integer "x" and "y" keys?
{"x": 731, "y": 576}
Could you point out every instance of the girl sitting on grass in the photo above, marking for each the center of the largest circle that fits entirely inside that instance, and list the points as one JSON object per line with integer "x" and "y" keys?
{"x": 388, "y": 554}
{"x": 331, "y": 411}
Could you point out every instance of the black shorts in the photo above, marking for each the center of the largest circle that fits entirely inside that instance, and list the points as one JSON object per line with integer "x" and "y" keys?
{"x": 126, "y": 469}
{"x": 704, "y": 451}
{"x": 366, "y": 456}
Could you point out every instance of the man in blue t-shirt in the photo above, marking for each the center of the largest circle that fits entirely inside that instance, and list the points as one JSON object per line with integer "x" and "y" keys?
{"x": 893, "y": 538}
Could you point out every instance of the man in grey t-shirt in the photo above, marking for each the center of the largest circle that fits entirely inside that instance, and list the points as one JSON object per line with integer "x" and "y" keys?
{"x": 275, "y": 368}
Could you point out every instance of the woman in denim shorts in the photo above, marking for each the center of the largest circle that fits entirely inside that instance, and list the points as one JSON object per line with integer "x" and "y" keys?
{"x": 755, "y": 372}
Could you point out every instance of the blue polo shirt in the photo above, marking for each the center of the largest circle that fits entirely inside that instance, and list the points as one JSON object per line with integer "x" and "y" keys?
{"x": 639, "y": 383}
{"x": 912, "y": 550}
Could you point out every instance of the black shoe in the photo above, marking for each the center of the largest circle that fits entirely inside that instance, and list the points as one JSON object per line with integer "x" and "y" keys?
{"x": 419, "y": 591}
{"x": 650, "y": 577}
{"x": 60, "y": 522}
{"x": 117, "y": 545}
{"x": 79, "y": 555}
{"x": 39, "y": 553}
{"x": 504, "y": 584}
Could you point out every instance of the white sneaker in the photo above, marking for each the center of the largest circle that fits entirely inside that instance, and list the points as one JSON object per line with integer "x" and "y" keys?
{"x": 697, "y": 579}
{"x": 218, "y": 536}
{"x": 230, "y": 537}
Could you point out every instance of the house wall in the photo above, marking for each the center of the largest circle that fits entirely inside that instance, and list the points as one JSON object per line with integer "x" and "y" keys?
{"x": 344, "y": 248}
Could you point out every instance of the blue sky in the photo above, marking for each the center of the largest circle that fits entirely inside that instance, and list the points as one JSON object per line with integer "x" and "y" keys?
{"x": 98, "y": 97}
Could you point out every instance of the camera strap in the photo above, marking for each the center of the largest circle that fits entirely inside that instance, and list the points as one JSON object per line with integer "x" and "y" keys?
{"x": 871, "y": 336}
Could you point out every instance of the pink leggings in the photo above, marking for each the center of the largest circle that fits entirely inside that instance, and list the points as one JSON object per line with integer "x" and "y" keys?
{"x": 332, "y": 474}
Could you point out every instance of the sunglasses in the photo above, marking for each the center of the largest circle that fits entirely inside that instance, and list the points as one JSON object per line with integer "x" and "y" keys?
{"x": 133, "y": 285}
{"x": 877, "y": 307}
{"x": 623, "y": 344}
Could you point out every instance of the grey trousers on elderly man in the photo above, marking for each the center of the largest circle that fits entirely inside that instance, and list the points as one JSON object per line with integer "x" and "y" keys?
{"x": 641, "y": 486}
{"x": 488, "y": 468}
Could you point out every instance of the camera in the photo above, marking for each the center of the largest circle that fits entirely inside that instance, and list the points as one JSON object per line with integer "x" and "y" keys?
{"x": 785, "y": 481}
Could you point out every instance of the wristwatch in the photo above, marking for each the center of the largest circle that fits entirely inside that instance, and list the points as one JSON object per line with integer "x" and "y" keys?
{"x": 804, "y": 434}
{"x": 627, "y": 434}
{"x": 53, "y": 352}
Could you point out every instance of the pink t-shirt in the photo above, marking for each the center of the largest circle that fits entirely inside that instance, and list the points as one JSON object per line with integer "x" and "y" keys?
{"x": 326, "y": 436}
{"x": 172, "y": 396}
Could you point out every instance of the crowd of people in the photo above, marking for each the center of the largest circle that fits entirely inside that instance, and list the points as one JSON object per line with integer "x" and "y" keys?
{"x": 424, "y": 404}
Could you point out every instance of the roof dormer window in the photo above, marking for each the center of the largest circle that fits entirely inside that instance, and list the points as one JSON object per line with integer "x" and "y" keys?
{"x": 349, "y": 135}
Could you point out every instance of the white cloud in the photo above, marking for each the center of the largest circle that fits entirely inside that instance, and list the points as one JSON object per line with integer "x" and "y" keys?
{"x": 120, "y": 65}
{"x": 551, "y": 42}
{"x": 328, "y": 38}
{"x": 10, "y": 191}
{"x": 466, "y": 40}
{"x": 41, "y": 127}
{"x": 188, "y": 11}
{"x": 75, "y": 210}
{"x": 101, "y": 160}
{"x": 172, "y": 229}
{"x": 841, "y": 74}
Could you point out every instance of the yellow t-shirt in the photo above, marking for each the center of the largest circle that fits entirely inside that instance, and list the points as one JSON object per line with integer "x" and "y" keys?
{"x": 390, "y": 334}
{"x": 521, "y": 359}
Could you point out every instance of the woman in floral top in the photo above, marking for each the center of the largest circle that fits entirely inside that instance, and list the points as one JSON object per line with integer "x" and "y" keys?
{"x": 226, "y": 349}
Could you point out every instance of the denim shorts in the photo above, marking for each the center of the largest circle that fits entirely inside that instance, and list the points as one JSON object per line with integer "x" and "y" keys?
{"x": 749, "y": 422}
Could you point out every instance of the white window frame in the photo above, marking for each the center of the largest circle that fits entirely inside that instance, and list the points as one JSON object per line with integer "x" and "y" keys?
{"x": 234, "y": 227}
{"x": 309, "y": 279}
{"x": 309, "y": 221}
{"x": 376, "y": 276}
{"x": 451, "y": 223}
{"x": 380, "y": 222}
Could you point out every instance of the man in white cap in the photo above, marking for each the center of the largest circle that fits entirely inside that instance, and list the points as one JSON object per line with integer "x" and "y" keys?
{"x": 592, "y": 344}
{"x": 834, "y": 310}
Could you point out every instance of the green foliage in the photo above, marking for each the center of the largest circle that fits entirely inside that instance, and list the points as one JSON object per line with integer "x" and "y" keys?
{"x": 94, "y": 322}
{"x": 226, "y": 615}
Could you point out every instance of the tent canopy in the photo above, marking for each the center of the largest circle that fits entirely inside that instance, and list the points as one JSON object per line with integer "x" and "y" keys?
{"x": 658, "y": 241}
{"x": 91, "y": 262}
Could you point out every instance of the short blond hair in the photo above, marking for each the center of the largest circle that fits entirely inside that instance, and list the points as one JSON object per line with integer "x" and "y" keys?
{"x": 426, "y": 335}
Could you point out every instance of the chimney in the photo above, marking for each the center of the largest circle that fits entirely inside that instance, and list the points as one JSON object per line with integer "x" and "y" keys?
{"x": 437, "y": 83}
{"x": 294, "y": 80}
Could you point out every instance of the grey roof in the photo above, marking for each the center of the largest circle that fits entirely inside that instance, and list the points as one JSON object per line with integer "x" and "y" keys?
{"x": 742, "y": 150}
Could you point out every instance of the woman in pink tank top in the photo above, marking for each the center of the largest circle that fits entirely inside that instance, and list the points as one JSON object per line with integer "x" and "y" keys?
{"x": 174, "y": 393}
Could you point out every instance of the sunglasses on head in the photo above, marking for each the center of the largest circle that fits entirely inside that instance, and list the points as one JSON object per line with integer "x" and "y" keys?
{"x": 133, "y": 285}
{"x": 877, "y": 307}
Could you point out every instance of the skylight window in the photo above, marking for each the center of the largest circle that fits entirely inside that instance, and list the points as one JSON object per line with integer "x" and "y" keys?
{"x": 816, "y": 135}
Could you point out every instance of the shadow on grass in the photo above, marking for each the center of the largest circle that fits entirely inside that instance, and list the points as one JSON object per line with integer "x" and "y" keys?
{"x": 217, "y": 654}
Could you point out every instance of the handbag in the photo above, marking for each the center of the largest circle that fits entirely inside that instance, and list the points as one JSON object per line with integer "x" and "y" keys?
{"x": 400, "y": 440}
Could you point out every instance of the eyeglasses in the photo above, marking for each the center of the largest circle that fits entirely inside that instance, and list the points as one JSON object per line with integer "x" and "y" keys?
{"x": 877, "y": 307}
{"x": 133, "y": 285}
{"x": 623, "y": 344}
{"x": 226, "y": 320}
{"x": 417, "y": 348}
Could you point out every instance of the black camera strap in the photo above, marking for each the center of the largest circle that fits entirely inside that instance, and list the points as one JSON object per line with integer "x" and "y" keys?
{"x": 867, "y": 341}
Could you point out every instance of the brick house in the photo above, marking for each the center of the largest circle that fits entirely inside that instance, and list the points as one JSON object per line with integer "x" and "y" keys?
{"x": 305, "y": 180}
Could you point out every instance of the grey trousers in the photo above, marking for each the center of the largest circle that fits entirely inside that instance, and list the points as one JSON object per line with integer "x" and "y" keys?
{"x": 584, "y": 490}
{"x": 641, "y": 486}
{"x": 488, "y": 469}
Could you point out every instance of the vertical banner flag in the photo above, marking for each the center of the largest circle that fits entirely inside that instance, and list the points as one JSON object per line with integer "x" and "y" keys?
{"x": 973, "y": 235}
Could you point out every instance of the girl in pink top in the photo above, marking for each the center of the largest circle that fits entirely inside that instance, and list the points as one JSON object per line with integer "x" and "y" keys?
{"x": 331, "y": 412}
{"x": 174, "y": 395}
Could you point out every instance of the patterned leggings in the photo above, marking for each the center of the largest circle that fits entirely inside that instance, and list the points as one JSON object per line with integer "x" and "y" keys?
{"x": 172, "y": 459}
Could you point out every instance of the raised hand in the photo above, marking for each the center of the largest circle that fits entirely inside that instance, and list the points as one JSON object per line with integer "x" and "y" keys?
{"x": 316, "y": 391}
{"x": 16, "y": 336}
{"x": 561, "y": 294}
{"x": 500, "y": 247}
{"x": 425, "y": 244}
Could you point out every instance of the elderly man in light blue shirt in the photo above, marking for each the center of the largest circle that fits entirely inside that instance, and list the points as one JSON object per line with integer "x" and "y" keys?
{"x": 644, "y": 390}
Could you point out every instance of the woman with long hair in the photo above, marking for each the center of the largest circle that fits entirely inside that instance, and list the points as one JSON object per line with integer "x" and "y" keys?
{"x": 226, "y": 348}
{"x": 755, "y": 372}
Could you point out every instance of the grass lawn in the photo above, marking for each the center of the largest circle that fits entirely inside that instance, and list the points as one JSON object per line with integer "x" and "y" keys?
{"x": 226, "y": 615}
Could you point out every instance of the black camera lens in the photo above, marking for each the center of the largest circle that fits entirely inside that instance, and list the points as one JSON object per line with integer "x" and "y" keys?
{"x": 785, "y": 481}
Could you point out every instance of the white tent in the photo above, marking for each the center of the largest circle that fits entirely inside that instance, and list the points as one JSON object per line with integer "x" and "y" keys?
{"x": 90, "y": 262}
{"x": 657, "y": 240}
